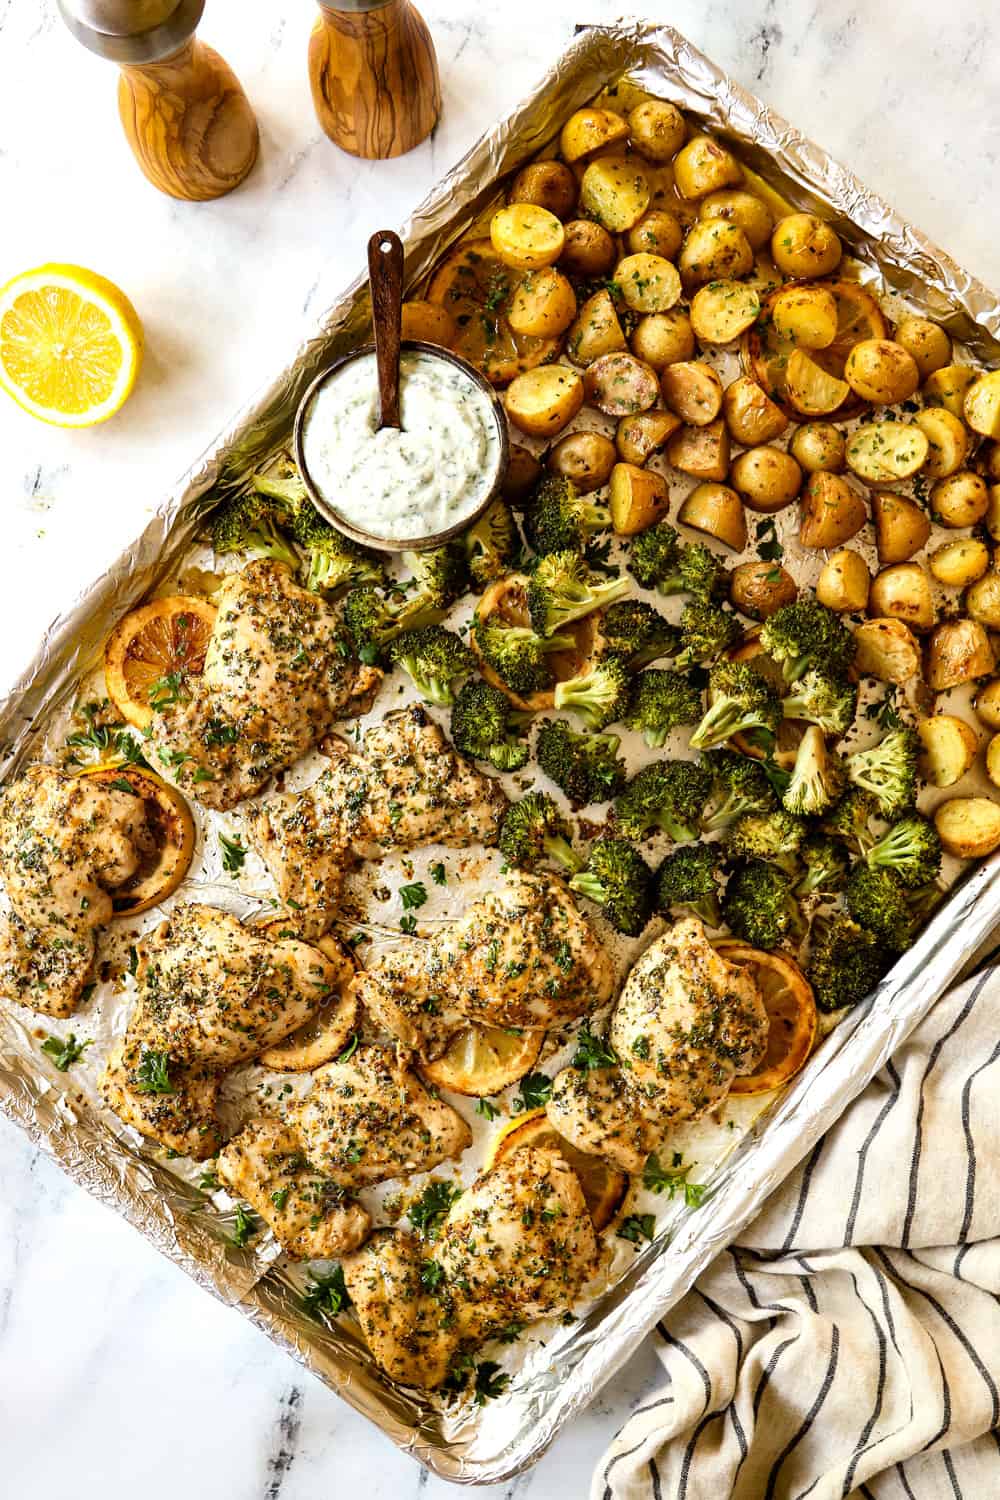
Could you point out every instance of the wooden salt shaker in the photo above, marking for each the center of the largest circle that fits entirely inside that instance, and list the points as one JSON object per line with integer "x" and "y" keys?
{"x": 183, "y": 109}
{"x": 374, "y": 76}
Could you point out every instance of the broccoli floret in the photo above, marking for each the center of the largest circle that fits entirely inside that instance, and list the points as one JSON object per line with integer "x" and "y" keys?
{"x": 911, "y": 848}
{"x": 333, "y": 561}
{"x": 659, "y": 560}
{"x": 772, "y": 836}
{"x": 817, "y": 776}
{"x": 517, "y": 655}
{"x": 827, "y": 865}
{"x": 618, "y": 879}
{"x": 668, "y": 795}
{"x": 248, "y": 523}
{"x": 284, "y": 485}
{"x": 850, "y": 819}
{"x": 888, "y": 771}
{"x": 491, "y": 544}
{"x": 435, "y": 658}
{"x": 372, "y": 622}
{"x": 635, "y": 631}
{"x": 739, "y": 700}
{"x": 482, "y": 722}
{"x": 662, "y": 701}
{"x": 688, "y": 877}
{"x": 741, "y": 786}
{"x": 440, "y": 575}
{"x": 560, "y": 519}
{"x": 535, "y": 829}
{"x": 845, "y": 962}
{"x": 830, "y": 702}
{"x": 759, "y": 906}
{"x": 561, "y": 590}
{"x": 599, "y": 695}
{"x": 654, "y": 555}
{"x": 877, "y": 899}
{"x": 706, "y": 632}
{"x": 585, "y": 766}
{"x": 806, "y": 634}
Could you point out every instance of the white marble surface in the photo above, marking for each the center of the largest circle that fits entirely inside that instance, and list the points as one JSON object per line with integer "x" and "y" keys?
{"x": 118, "y": 1376}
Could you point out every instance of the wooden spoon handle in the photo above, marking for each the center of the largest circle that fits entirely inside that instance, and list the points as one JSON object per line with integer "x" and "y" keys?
{"x": 385, "y": 270}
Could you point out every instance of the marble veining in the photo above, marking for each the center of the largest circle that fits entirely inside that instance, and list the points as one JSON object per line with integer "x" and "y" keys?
{"x": 117, "y": 1373}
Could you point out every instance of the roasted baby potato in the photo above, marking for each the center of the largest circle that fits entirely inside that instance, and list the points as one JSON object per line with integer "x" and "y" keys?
{"x": 947, "y": 387}
{"x": 722, "y": 310}
{"x": 616, "y": 190}
{"x": 886, "y": 650}
{"x": 960, "y": 500}
{"x": 903, "y": 592}
{"x": 716, "y": 510}
{"x": 542, "y": 401}
{"x": 767, "y": 478}
{"x": 591, "y": 130}
{"x": 704, "y": 166}
{"x": 819, "y": 445}
{"x": 884, "y": 451}
{"x": 702, "y": 452}
{"x": 812, "y": 390}
{"x": 644, "y": 434}
{"x": 987, "y": 703}
{"x": 657, "y": 233}
{"x": 523, "y": 473}
{"x": 543, "y": 304}
{"x": 657, "y": 129}
{"x": 968, "y": 827}
{"x": 982, "y": 405}
{"x": 693, "y": 391}
{"x": 993, "y": 760}
{"x": 588, "y": 250}
{"x": 992, "y": 468}
{"x": 595, "y": 331}
{"x": 959, "y": 651}
{"x": 648, "y": 283}
{"x": 620, "y": 385}
{"x": 547, "y": 184}
{"x": 751, "y": 416}
{"x": 804, "y": 246}
{"x": 832, "y": 512}
{"x": 982, "y": 600}
{"x": 806, "y": 315}
{"x": 427, "y": 322}
{"x": 949, "y": 748}
{"x": 759, "y": 589}
{"x": 748, "y": 213}
{"x": 526, "y": 237}
{"x": 948, "y": 439}
{"x": 586, "y": 458}
{"x": 844, "y": 582}
{"x": 881, "y": 371}
{"x": 901, "y": 527}
{"x": 714, "y": 249}
{"x": 664, "y": 338}
{"x": 992, "y": 516}
{"x": 639, "y": 498}
{"x": 927, "y": 342}
{"x": 959, "y": 563}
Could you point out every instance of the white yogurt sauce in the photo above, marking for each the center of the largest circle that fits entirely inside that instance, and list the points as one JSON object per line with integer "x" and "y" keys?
{"x": 408, "y": 483}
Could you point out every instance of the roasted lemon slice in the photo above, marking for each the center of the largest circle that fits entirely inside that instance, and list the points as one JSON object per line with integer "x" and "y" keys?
{"x": 70, "y": 345}
{"x": 328, "y": 1033}
{"x": 812, "y": 390}
{"x": 790, "y": 731}
{"x": 483, "y": 1060}
{"x": 165, "y": 863}
{"x": 766, "y": 353}
{"x": 506, "y": 602}
{"x": 475, "y": 287}
{"x": 604, "y": 1187}
{"x": 791, "y": 1011}
{"x": 151, "y": 651}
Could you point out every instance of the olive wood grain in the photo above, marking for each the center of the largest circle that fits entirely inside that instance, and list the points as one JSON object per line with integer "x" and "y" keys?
{"x": 385, "y": 272}
{"x": 374, "y": 78}
{"x": 189, "y": 123}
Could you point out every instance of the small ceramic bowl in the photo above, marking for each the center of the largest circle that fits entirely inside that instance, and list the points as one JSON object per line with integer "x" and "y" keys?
{"x": 399, "y": 544}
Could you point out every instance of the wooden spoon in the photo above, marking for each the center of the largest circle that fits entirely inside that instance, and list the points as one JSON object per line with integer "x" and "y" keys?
{"x": 385, "y": 271}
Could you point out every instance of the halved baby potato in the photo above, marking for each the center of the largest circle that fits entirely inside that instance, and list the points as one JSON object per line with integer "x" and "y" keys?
{"x": 803, "y": 245}
{"x": 324, "y": 1037}
{"x": 886, "y": 650}
{"x": 812, "y": 390}
{"x": 620, "y": 385}
{"x": 663, "y": 339}
{"x": 586, "y": 458}
{"x": 881, "y": 371}
{"x": 639, "y": 497}
{"x": 960, "y": 500}
{"x": 702, "y": 452}
{"x": 657, "y": 129}
{"x": 591, "y": 130}
{"x": 658, "y": 232}
{"x": 806, "y": 315}
{"x": 767, "y": 478}
{"x": 949, "y": 747}
{"x": 588, "y": 250}
{"x": 947, "y": 387}
{"x": 714, "y": 250}
{"x": 844, "y": 582}
{"x": 428, "y": 322}
{"x": 596, "y": 330}
{"x": 648, "y": 283}
{"x": 543, "y": 304}
{"x": 882, "y": 452}
{"x": 926, "y": 341}
{"x": 959, "y": 563}
{"x": 716, "y": 510}
{"x": 164, "y": 864}
{"x": 646, "y": 433}
{"x": 903, "y": 592}
{"x": 901, "y": 526}
{"x": 992, "y": 516}
{"x": 523, "y": 473}
{"x": 982, "y": 600}
{"x": 747, "y": 212}
{"x": 958, "y": 651}
{"x": 948, "y": 439}
{"x": 542, "y": 401}
{"x": 968, "y": 827}
{"x": 751, "y": 416}
{"x": 760, "y": 589}
{"x": 693, "y": 391}
{"x": 722, "y": 310}
{"x": 526, "y": 237}
{"x": 987, "y": 703}
{"x": 832, "y": 512}
{"x": 819, "y": 446}
{"x": 704, "y": 166}
{"x": 982, "y": 405}
{"x": 993, "y": 760}
{"x": 616, "y": 191}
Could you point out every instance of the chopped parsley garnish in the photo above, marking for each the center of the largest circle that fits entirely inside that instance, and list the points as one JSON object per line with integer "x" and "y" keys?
{"x": 64, "y": 1051}
{"x": 884, "y": 710}
{"x": 640, "y": 1047}
{"x": 245, "y": 1226}
{"x": 428, "y": 1212}
{"x": 208, "y": 1182}
{"x": 491, "y": 1381}
{"x": 233, "y": 855}
{"x": 660, "y": 1179}
{"x": 413, "y": 896}
{"x": 153, "y": 1075}
{"x": 769, "y": 549}
{"x": 408, "y": 924}
{"x": 487, "y": 1109}
{"x": 280, "y": 1197}
{"x": 121, "y": 785}
{"x": 636, "y": 1228}
{"x": 326, "y": 1294}
{"x": 166, "y": 691}
{"x": 534, "y": 1092}
{"x": 431, "y": 1275}
{"x": 133, "y": 960}
{"x": 439, "y": 874}
{"x": 350, "y": 1049}
{"x": 592, "y": 1051}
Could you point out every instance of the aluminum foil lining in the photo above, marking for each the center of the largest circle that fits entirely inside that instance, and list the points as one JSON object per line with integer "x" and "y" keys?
{"x": 487, "y": 1444}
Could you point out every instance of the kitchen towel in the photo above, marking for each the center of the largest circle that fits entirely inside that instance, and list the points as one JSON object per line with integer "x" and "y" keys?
{"x": 849, "y": 1344}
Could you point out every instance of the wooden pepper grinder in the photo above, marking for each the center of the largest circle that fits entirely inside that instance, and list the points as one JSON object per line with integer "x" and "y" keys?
{"x": 183, "y": 109}
{"x": 374, "y": 76}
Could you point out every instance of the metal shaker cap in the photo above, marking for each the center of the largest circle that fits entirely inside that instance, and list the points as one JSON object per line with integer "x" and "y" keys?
{"x": 132, "y": 31}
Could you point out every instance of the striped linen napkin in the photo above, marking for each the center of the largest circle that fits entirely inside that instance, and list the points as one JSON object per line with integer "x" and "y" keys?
{"x": 850, "y": 1343}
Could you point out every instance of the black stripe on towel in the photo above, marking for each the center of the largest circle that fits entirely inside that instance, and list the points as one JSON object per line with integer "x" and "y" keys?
{"x": 869, "y": 1427}
{"x": 810, "y": 1167}
{"x": 689, "y": 1354}
{"x": 811, "y": 1414}
{"x": 863, "y": 1153}
{"x": 970, "y": 1176}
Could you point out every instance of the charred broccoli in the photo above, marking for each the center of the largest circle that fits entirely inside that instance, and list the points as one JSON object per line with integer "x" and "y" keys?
{"x": 888, "y": 771}
{"x": 491, "y": 544}
{"x": 585, "y": 766}
{"x": 373, "y": 623}
{"x": 658, "y": 559}
{"x": 759, "y": 906}
{"x": 876, "y": 898}
{"x": 482, "y": 722}
{"x": 284, "y": 485}
{"x": 668, "y": 795}
{"x": 435, "y": 659}
{"x": 911, "y": 848}
{"x": 739, "y": 700}
{"x": 333, "y": 562}
{"x": 560, "y": 519}
{"x": 806, "y": 634}
{"x": 534, "y": 829}
{"x": 707, "y": 631}
{"x": 850, "y": 819}
{"x": 827, "y": 865}
{"x": 830, "y": 702}
{"x": 845, "y": 962}
{"x": 635, "y": 631}
{"x": 562, "y": 589}
{"x": 741, "y": 786}
{"x": 517, "y": 655}
{"x": 618, "y": 879}
{"x": 772, "y": 836}
{"x": 689, "y": 877}
{"x": 662, "y": 701}
{"x": 440, "y": 575}
{"x": 249, "y": 523}
{"x": 599, "y": 695}
{"x": 817, "y": 777}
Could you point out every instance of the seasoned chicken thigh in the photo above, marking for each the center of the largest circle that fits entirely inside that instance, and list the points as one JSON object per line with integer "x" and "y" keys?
{"x": 409, "y": 1330}
{"x": 43, "y": 968}
{"x": 595, "y": 1110}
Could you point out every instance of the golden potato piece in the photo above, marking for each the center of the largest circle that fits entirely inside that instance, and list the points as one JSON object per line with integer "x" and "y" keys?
{"x": 648, "y": 283}
{"x": 804, "y": 246}
{"x": 547, "y": 184}
{"x": 664, "y": 338}
{"x": 714, "y": 250}
{"x": 657, "y": 129}
{"x": 844, "y": 582}
{"x": 881, "y": 371}
{"x": 960, "y": 500}
{"x": 542, "y": 401}
{"x": 987, "y": 703}
{"x": 716, "y": 510}
{"x": 722, "y": 310}
{"x": 982, "y": 405}
{"x": 767, "y": 478}
{"x": 901, "y": 527}
{"x": 993, "y": 760}
{"x": 751, "y": 416}
{"x": 982, "y": 600}
{"x": 595, "y": 331}
{"x": 759, "y": 589}
{"x": 992, "y": 516}
{"x": 832, "y": 512}
{"x": 620, "y": 385}
{"x": 903, "y": 592}
{"x": 526, "y": 237}
{"x": 806, "y": 316}
{"x": 644, "y": 434}
{"x": 927, "y": 342}
{"x": 704, "y": 166}
{"x": 523, "y": 473}
{"x": 819, "y": 445}
{"x": 886, "y": 650}
{"x": 658, "y": 232}
{"x": 590, "y": 130}
{"x": 588, "y": 250}
{"x": 693, "y": 391}
{"x": 959, "y": 563}
{"x": 747, "y": 212}
{"x": 947, "y": 387}
{"x": 959, "y": 651}
{"x": 543, "y": 304}
{"x": 882, "y": 452}
{"x": 948, "y": 439}
{"x": 949, "y": 748}
{"x": 616, "y": 191}
{"x": 639, "y": 497}
{"x": 812, "y": 390}
{"x": 428, "y": 322}
{"x": 702, "y": 452}
{"x": 586, "y": 458}
{"x": 968, "y": 827}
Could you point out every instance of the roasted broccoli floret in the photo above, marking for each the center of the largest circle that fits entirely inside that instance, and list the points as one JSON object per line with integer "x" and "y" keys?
{"x": 668, "y": 795}
{"x": 888, "y": 771}
{"x": 830, "y": 702}
{"x": 877, "y": 899}
{"x": 560, "y": 519}
{"x": 658, "y": 559}
{"x": 248, "y": 523}
{"x": 483, "y": 726}
{"x": 333, "y": 561}
{"x": 739, "y": 700}
{"x": 373, "y": 622}
{"x": 441, "y": 574}
{"x": 846, "y": 962}
{"x": 585, "y": 766}
{"x": 618, "y": 879}
{"x": 435, "y": 659}
{"x": 662, "y": 701}
{"x": 284, "y": 485}
{"x": 689, "y": 877}
{"x": 759, "y": 906}
{"x": 911, "y": 848}
{"x": 706, "y": 632}
{"x": 654, "y": 554}
{"x": 817, "y": 776}
{"x": 599, "y": 695}
{"x": 491, "y": 544}
{"x": 562, "y": 589}
{"x": 806, "y": 634}
{"x": 850, "y": 819}
{"x": 773, "y": 836}
{"x": 517, "y": 655}
{"x": 535, "y": 829}
{"x": 827, "y": 865}
{"x": 741, "y": 786}
{"x": 635, "y": 631}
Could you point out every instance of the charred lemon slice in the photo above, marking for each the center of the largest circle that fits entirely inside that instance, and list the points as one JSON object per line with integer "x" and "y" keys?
{"x": 604, "y": 1187}
{"x": 475, "y": 287}
{"x": 766, "y": 353}
{"x": 812, "y": 390}
{"x": 483, "y": 1060}
{"x": 167, "y": 859}
{"x": 790, "y": 731}
{"x": 151, "y": 651}
{"x": 324, "y": 1037}
{"x": 791, "y": 1012}
{"x": 506, "y": 603}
